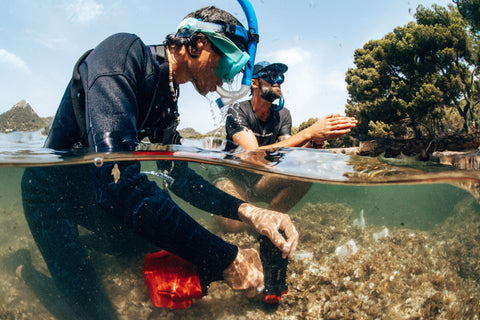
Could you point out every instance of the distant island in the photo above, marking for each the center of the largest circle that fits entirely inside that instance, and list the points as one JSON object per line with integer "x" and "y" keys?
{"x": 190, "y": 133}
{"x": 21, "y": 117}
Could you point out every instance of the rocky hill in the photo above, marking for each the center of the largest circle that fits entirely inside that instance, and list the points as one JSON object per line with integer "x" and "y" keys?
{"x": 188, "y": 132}
{"x": 219, "y": 132}
{"x": 191, "y": 133}
{"x": 22, "y": 117}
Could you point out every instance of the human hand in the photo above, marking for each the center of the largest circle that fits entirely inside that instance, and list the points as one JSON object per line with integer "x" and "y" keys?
{"x": 255, "y": 157}
{"x": 269, "y": 223}
{"x": 245, "y": 272}
{"x": 330, "y": 127}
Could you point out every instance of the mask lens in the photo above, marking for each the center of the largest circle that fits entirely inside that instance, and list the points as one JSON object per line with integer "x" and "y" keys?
{"x": 232, "y": 59}
{"x": 223, "y": 68}
{"x": 274, "y": 77}
{"x": 227, "y": 68}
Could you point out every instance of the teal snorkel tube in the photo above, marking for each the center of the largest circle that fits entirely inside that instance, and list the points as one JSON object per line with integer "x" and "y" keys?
{"x": 228, "y": 97}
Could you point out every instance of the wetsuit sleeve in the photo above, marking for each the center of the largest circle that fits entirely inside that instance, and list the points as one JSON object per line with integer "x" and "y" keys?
{"x": 111, "y": 82}
{"x": 148, "y": 210}
{"x": 200, "y": 193}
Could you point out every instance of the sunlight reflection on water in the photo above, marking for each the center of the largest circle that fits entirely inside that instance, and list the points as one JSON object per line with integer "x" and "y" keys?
{"x": 423, "y": 221}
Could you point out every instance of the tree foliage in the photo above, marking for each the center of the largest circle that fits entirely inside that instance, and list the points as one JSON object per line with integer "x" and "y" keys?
{"x": 410, "y": 81}
{"x": 470, "y": 10}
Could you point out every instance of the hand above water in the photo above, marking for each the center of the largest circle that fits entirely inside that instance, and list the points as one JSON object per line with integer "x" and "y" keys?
{"x": 330, "y": 127}
{"x": 269, "y": 223}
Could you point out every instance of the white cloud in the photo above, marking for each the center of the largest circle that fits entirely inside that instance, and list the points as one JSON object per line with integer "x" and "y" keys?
{"x": 313, "y": 88}
{"x": 83, "y": 11}
{"x": 292, "y": 56}
{"x": 13, "y": 61}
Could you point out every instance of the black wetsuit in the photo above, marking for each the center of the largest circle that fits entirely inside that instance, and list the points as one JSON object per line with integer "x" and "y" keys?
{"x": 124, "y": 96}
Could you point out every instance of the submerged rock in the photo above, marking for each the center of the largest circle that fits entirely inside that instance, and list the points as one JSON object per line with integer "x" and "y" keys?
{"x": 409, "y": 274}
{"x": 381, "y": 234}
{"x": 347, "y": 250}
{"x": 360, "y": 221}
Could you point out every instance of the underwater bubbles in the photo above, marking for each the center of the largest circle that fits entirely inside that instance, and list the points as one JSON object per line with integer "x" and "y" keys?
{"x": 98, "y": 162}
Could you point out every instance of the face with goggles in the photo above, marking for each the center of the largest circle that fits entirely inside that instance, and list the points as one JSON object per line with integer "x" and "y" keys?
{"x": 231, "y": 58}
{"x": 202, "y": 69}
{"x": 267, "y": 79}
{"x": 272, "y": 76}
{"x": 269, "y": 90}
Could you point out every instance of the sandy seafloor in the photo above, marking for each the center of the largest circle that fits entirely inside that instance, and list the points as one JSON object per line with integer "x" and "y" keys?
{"x": 399, "y": 274}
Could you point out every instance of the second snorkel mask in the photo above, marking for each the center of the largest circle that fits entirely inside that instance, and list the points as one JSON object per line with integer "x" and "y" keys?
{"x": 233, "y": 60}
{"x": 273, "y": 73}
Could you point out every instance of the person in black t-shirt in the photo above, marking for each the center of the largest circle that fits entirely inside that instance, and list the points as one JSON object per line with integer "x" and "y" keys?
{"x": 260, "y": 124}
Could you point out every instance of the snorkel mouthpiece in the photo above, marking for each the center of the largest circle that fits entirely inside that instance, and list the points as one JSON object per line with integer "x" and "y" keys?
{"x": 228, "y": 97}
{"x": 281, "y": 102}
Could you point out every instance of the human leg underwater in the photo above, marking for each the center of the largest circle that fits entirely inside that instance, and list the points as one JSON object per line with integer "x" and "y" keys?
{"x": 52, "y": 208}
{"x": 282, "y": 194}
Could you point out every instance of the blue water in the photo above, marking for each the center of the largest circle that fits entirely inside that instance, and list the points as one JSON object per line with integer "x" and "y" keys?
{"x": 376, "y": 240}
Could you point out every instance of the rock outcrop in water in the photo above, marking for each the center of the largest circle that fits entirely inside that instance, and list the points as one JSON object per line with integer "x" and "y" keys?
{"x": 423, "y": 147}
{"x": 22, "y": 117}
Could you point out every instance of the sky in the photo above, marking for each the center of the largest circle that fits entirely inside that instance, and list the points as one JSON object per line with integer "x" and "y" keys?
{"x": 40, "y": 41}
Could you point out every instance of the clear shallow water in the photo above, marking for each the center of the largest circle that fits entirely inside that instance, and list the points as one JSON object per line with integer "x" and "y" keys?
{"x": 415, "y": 254}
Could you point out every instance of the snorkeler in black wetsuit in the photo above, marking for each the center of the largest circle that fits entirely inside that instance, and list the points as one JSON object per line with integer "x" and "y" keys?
{"x": 122, "y": 92}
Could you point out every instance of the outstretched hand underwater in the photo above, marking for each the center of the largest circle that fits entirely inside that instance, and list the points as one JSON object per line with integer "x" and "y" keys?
{"x": 271, "y": 224}
{"x": 246, "y": 272}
